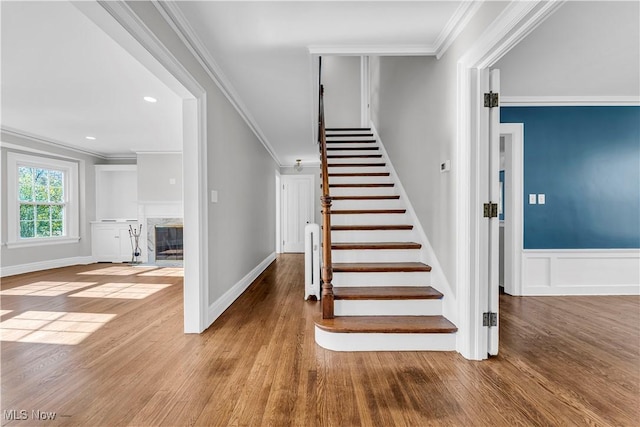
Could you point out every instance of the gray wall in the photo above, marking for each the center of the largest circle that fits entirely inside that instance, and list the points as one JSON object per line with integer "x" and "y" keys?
{"x": 583, "y": 49}
{"x": 341, "y": 81}
{"x": 86, "y": 178}
{"x": 414, "y": 110}
{"x": 155, "y": 170}
{"x": 242, "y": 223}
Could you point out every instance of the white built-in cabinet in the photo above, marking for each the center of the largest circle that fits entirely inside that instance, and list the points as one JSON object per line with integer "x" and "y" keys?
{"x": 116, "y": 209}
{"x": 110, "y": 241}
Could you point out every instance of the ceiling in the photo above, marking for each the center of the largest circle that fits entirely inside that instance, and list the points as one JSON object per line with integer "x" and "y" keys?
{"x": 62, "y": 87}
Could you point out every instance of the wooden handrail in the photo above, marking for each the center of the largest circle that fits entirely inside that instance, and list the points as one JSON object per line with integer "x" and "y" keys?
{"x": 327, "y": 267}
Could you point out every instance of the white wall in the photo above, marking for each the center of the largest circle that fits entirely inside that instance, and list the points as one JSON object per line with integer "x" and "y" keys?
{"x": 160, "y": 177}
{"x": 241, "y": 225}
{"x": 583, "y": 49}
{"x": 19, "y": 260}
{"x": 341, "y": 81}
{"x": 414, "y": 110}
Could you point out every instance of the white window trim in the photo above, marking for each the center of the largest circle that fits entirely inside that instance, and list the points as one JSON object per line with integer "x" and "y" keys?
{"x": 72, "y": 208}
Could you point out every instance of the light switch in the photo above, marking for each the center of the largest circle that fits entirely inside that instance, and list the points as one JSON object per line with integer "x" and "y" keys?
{"x": 532, "y": 199}
{"x": 172, "y": 181}
{"x": 214, "y": 196}
{"x": 541, "y": 199}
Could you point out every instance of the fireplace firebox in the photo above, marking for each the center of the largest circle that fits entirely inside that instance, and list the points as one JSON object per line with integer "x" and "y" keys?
{"x": 169, "y": 242}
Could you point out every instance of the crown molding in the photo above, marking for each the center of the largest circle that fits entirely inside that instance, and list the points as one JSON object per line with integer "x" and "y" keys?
{"x": 568, "y": 101}
{"x": 455, "y": 25}
{"x": 51, "y": 142}
{"x": 180, "y": 25}
{"x": 374, "y": 50}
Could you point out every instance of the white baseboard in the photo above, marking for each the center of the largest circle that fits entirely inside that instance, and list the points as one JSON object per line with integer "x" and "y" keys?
{"x": 12, "y": 270}
{"x": 581, "y": 272}
{"x": 222, "y": 303}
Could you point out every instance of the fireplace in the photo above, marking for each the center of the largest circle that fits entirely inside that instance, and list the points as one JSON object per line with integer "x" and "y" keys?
{"x": 168, "y": 242}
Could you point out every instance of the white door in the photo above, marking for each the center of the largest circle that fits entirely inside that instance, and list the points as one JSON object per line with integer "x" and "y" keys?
{"x": 494, "y": 222}
{"x": 297, "y": 210}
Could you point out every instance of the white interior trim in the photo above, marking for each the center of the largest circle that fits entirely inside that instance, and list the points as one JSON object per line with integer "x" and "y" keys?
{"x": 369, "y": 50}
{"x": 514, "y": 221}
{"x": 44, "y": 265}
{"x": 456, "y": 24}
{"x": 364, "y": 91}
{"x": 516, "y": 21}
{"x": 194, "y": 158}
{"x": 176, "y": 19}
{"x": 551, "y": 101}
{"x": 581, "y": 272}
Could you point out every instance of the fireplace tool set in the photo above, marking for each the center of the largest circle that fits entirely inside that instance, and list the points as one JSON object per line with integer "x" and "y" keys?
{"x": 134, "y": 236}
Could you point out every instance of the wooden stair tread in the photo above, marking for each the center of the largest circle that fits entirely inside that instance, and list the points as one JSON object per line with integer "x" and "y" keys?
{"x": 375, "y": 245}
{"x": 387, "y": 324}
{"x": 366, "y": 211}
{"x": 340, "y": 135}
{"x": 354, "y": 156}
{"x": 371, "y": 227}
{"x": 346, "y": 129}
{"x": 355, "y": 165}
{"x": 379, "y": 267}
{"x": 381, "y": 184}
{"x": 352, "y": 148}
{"x": 353, "y": 141}
{"x": 349, "y": 174}
{"x": 385, "y": 292}
{"x": 396, "y": 197}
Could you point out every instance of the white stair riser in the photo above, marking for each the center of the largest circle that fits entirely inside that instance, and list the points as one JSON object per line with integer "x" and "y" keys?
{"x": 374, "y": 236}
{"x": 368, "y": 219}
{"x": 359, "y": 179}
{"x": 422, "y": 278}
{"x": 385, "y": 342}
{"x": 376, "y": 255}
{"x": 414, "y": 307}
{"x": 362, "y": 191}
{"x": 358, "y": 169}
{"x": 368, "y": 204}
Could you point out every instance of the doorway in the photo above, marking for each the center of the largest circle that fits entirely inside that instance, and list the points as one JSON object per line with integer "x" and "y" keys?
{"x": 297, "y": 210}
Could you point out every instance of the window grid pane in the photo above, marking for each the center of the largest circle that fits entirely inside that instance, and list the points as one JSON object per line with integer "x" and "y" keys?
{"x": 43, "y": 213}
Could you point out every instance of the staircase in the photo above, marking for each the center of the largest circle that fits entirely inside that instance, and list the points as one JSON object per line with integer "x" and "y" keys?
{"x": 381, "y": 287}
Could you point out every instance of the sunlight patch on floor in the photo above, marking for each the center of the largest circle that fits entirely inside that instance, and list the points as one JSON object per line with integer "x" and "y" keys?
{"x": 52, "y": 327}
{"x": 122, "y": 290}
{"x": 123, "y": 270}
{"x": 165, "y": 271}
{"x": 47, "y": 289}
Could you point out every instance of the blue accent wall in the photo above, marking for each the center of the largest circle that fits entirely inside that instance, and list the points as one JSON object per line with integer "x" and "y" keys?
{"x": 587, "y": 162}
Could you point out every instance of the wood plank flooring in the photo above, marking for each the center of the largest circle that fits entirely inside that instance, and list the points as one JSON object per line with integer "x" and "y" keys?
{"x": 563, "y": 361}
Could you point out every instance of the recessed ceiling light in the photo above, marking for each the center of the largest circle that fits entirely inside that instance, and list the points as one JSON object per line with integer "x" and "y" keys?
{"x": 90, "y": 137}
{"x": 150, "y": 99}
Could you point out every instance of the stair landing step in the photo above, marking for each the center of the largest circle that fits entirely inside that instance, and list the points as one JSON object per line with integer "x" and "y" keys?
{"x": 375, "y": 245}
{"x": 387, "y": 324}
{"x": 366, "y": 211}
{"x": 371, "y": 227}
{"x": 379, "y": 267}
{"x": 385, "y": 292}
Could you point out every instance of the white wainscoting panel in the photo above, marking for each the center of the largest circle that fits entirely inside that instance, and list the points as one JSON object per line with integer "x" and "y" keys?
{"x": 581, "y": 272}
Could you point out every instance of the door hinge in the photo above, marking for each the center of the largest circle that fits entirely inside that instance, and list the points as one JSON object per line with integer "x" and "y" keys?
{"x": 491, "y": 100}
{"x": 489, "y": 319}
{"x": 490, "y": 210}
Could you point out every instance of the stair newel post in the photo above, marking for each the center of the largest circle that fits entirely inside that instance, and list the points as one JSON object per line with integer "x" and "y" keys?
{"x": 327, "y": 270}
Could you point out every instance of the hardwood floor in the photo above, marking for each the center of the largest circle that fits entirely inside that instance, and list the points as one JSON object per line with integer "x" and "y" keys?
{"x": 563, "y": 360}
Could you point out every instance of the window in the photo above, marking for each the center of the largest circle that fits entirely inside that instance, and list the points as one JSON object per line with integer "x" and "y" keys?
{"x": 42, "y": 200}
